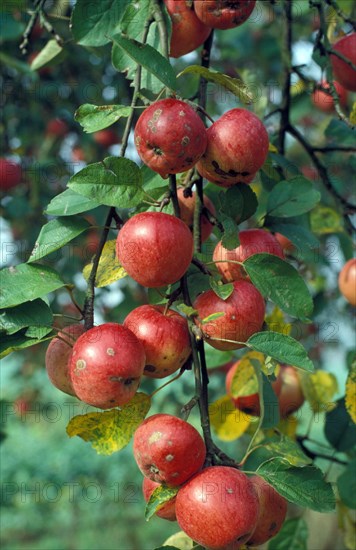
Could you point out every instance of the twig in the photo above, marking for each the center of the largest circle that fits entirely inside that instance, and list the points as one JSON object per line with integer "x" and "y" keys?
{"x": 341, "y": 14}
{"x": 286, "y": 88}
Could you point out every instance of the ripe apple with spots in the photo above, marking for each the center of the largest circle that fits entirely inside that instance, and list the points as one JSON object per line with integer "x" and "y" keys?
{"x": 106, "y": 366}
{"x": 58, "y": 357}
{"x": 323, "y": 100}
{"x": 237, "y": 148}
{"x": 347, "y": 281}
{"x": 243, "y": 315}
{"x": 224, "y": 14}
{"x": 168, "y": 450}
{"x": 168, "y": 510}
{"x": 343, "y": 72}
{"x": 155, "y": 248}
{"x": 165, "y": 337}
{"x": 187, "y": 206}
{"x": 188, "y": 32}
{"x": 10, "y": 174}
{"x": 252, "y": 241}
{"x": 250, "y": 404}
{"x": 170, "y": 137}
{"x": 291, "y": 396}
{"x": 272, "y": 512}
{"x": 218, "y": 508}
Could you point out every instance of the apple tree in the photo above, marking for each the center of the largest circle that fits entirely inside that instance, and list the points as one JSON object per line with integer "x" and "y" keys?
{"x": 198, "y": 229}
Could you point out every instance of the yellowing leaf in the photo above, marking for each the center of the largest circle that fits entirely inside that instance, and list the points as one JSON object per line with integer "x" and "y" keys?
{"x": 289, "y": 449}
{"x": 272, "y": 148}
{"x": 179, "y": 540}
{"x": 350, "y": 399}
{"x": 319, "y": 388}
{"x": 353, "y": 114}
{"x": 109, "y": 269}
{"x": 287, "y": 426}
{"x": 298, "y": 88}
{"x": 244, "y": 381}
{"x": 159, "y": 497}
{"x": 228, "y": 422}
{"x": 110, "y": 431}
{"x": 325, "y": 220}
{"x": 275, "y": 321}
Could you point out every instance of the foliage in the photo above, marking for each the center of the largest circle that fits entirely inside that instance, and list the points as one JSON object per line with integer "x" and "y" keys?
{"x": 97, "y": 71}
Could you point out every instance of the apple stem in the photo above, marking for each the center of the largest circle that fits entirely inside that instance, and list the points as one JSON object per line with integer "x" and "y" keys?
{"x": 167, "y": 383}
{"x": 173, "y": 194}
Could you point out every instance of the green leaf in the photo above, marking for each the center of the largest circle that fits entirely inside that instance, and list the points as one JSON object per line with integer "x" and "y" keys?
{"x": 234, "y": 85}
{"x": 50, "y": 52}
{"x": 212, "y": 317}
{"x": 301, "y": 237}
{"x": 280, "y": 282}
{"x": 93, "y": 23}
{"x": 26, "y": 282}
{"x": 282, "y": 348}
{"x": 114, "y": 182}
{"x": 158, "y": 498}
{"x": 38, "y": 332}
{"x": 230, "y": 238}
{"x": 339, "y": 132}
{"x": 339, "y": 428}
{"x": 303, "y": 486}
{"x": 346, "y": 485}
{"x": 292, "y": 536}
{"x": 292, "y": 198}
{"x": 20, "y": 66}
{"x": 186, "y": 310}
{"x": 97, "y": 117}
{"x": 287, "y": 449}
{"x": 111, "y": 431}
{"x": 69, "y": 203}
{"x": 16, "y": 342}
{"x": 29, "y": 314}
{"x": 222, "y": 290}
{"x": 239, "y": 203}
{"x": 55, "y": 234}
{"x": 270, "y": 400}
{"x": 146, "y": 56}
{"x": 10, "y": 28}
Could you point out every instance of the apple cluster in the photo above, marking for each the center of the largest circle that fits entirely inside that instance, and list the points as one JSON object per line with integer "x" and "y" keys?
{"x": 219, "y": 507}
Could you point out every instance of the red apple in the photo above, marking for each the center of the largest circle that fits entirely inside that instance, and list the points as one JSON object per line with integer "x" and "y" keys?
{"x": 343, "y": 73}
{"x": 170, "y": 137}
{"x": 224, "y": 14}
{"x": 323, "y": 99}
{"x": 188, "y": 32}
{"x": 347, "y": 281}
{"x": 155, "y": 248}
{"x": 244, "y": 312}
{"x": 57, "y": 127}
{"x": 106, "y": 138}
{"x": 286, "y": 244}
{"x": 78, "y": 154}
{"x": 218, "y": 508}
{"x": 252, "y": 241}
{"x": 187, "y": 206}
{"x": 106, "y": 366}
{"x": 290, "y": 397}
{"x": 10, "y": 174}
{"x": 58, "y": 357}
{"x": 250, "y": 404}
{"x": 237, "y": 148}
{"x": 168, "y": 510}
{"x": 168, "y": 450}
{"x": 164, "y": 336}
{"x": 273, "y": 510}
